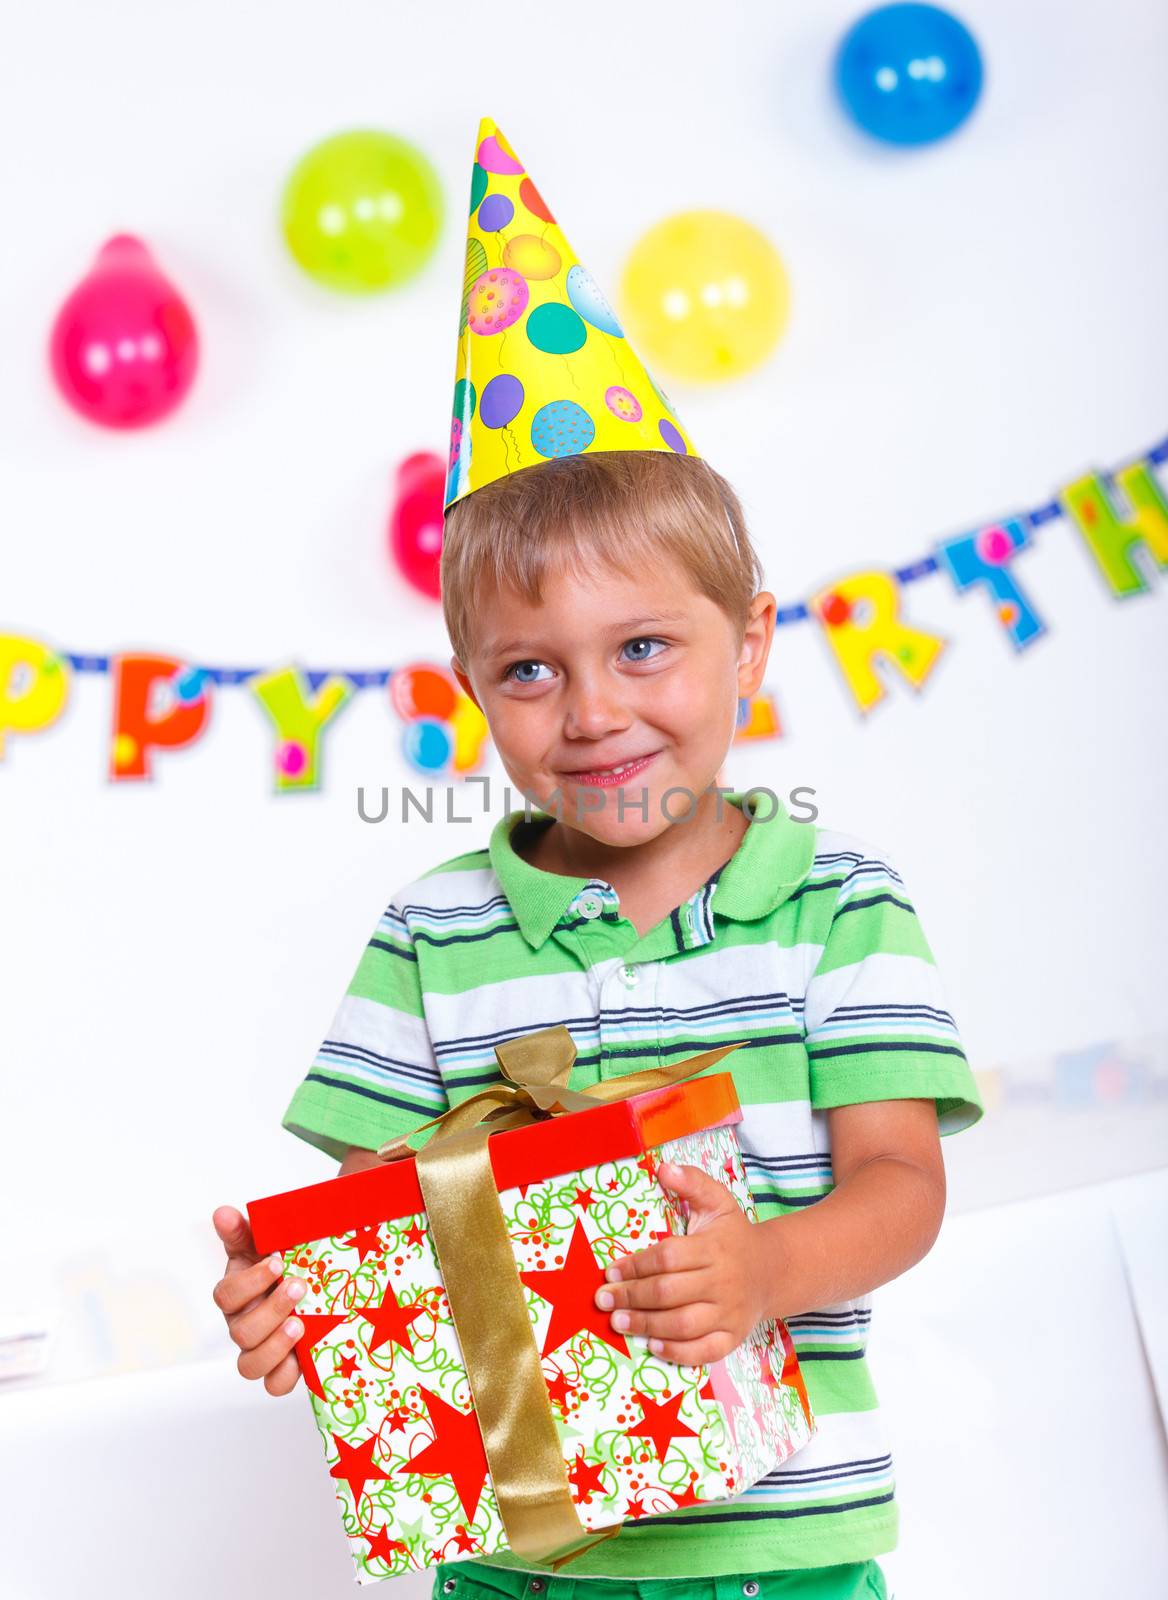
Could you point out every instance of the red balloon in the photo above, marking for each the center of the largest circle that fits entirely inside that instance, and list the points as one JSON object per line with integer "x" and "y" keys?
{"x": 415, "y": 524}
{"x": 124, "y": 347}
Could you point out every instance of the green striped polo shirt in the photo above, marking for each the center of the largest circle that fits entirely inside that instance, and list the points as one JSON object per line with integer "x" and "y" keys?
{"x": 806, "y": 944}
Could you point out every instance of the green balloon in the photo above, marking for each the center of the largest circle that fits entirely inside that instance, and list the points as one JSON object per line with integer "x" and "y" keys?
{"x": 556, "y": 329}
{"x": 478, "y": 186}
{"x": 362, "y": 211}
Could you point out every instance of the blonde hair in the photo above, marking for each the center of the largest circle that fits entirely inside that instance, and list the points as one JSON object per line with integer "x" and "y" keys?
{"x": 622, "y": 508}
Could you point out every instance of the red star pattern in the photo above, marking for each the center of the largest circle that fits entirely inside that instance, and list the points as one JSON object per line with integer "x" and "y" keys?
{"x": 584, "y": 1199}
{"x": 585, "y": 1478}
{"x": 570, "y": 1290}
{"x": 396, "y": 1419}
{"x": 317, "y": 1326}
{"x": 391, "y": 1320}
{"x": 383, "y": 1548}
{"x": 612, "y": 1184}
{"x": 729, "y": 1169}
{"x": 366, "y": 1241}
{"x": 463, "y": 1540}
{"x": 660, "y": 1422}
{"x": 560, "y": 1389}
{"x": 356, "y": 1465}
{"x": 456, "y": 1451}
{"x": 347, "y": 1366}
{"x": 414, "y": 1234}
{"x": 687, "y": 1496}
{"x": 647, "y": 1164}
{"x": 635, "y": 1508}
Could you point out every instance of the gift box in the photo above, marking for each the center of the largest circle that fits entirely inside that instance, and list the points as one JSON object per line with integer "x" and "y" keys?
{"x": 470, "y": 1396}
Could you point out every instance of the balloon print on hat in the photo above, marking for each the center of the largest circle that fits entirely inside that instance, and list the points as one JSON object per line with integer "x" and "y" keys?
{"x": 584, "y": 293}
{"x": 556, "y": 329}
{"x": 476, "y": 265}
{"x": 562, "y": 428}
{"x": 502, "y": 401}
{"x": 415, "y": 523}
{"x": 478, "y": 186}
{"x": 495, "y": 212}
{"x": 362, "y": 211}
{"x": 496, "y": 155}
{"x": 706, "y": 295}
{"x": 534, "y": 201}
{"x": 497, "y": 300}
{"x": 465, "y": 401}
{"x": 623, "y": 403}
{"x": 533, "y": 258}
{"x": 909, "y": 74}
{"x": 124, "y": 348}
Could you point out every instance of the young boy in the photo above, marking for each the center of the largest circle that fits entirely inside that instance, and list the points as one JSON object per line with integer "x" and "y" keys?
{"x": 606, "y": 612}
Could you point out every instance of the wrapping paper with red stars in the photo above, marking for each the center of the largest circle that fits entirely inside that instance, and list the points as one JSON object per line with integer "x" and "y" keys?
{"x": 641, "y": 1436}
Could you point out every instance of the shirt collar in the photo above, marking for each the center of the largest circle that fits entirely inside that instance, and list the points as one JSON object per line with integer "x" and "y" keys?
{"x": 772, "y": 860}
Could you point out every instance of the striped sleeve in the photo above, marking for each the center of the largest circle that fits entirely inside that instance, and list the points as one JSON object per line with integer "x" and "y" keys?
{"x": 876, "y": 1021}
{"x": 374, "y": 1076}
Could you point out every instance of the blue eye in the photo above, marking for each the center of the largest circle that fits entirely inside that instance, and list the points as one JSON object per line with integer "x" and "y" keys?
{"x": 643, "y": 657}
{"x": 514, "y": 671}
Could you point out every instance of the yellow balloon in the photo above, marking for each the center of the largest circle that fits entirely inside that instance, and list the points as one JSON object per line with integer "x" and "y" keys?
{"x": 705, "y": 296}
{"x": 531, "y": 257}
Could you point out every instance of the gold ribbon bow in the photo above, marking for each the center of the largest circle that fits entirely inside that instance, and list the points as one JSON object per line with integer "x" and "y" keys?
{"x": 487, "y": 1303}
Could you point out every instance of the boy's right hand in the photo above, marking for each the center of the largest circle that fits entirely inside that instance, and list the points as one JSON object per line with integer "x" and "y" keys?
{"x": 257, "y": 1301}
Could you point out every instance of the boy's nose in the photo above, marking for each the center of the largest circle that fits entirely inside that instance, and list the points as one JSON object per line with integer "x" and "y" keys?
{"x": 592, "y": 710}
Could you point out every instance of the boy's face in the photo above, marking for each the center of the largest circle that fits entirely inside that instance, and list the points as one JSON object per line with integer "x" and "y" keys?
{"x": 610, "y": 669}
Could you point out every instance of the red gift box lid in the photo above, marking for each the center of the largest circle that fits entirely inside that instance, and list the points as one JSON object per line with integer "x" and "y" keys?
{"x": 542, "y": 1150}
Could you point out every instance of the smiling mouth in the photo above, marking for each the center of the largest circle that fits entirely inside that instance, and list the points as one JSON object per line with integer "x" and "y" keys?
{"x": 619, "y": 772}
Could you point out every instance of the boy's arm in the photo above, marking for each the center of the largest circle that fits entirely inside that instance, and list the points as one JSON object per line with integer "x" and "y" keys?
{"x": 358, "y": 1160}
{"x": 880, "y": 1219}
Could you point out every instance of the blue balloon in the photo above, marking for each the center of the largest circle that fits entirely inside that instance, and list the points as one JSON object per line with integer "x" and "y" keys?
{"x": 586, "y": 297}
{"x": 427, "y": 744}
{"x": 909, "y": 74}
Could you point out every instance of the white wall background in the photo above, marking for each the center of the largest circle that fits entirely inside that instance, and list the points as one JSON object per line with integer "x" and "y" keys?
{"x": 973, "y": 326}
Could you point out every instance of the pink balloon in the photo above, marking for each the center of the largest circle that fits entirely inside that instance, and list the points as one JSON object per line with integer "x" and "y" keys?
{"x": 124, "y": 347}
{"x": 415, "y": 524}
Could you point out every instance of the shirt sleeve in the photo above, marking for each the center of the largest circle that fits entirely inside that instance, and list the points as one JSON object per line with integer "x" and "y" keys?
{"x": 876, "y": 1021}
{"x": 375, "y": 1076}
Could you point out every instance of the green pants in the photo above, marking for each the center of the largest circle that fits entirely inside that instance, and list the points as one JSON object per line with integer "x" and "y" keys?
{"x": 471, "y": 1580}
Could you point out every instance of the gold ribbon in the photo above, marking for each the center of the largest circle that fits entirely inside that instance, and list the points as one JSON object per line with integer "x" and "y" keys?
{"x": 487, "y": 1303}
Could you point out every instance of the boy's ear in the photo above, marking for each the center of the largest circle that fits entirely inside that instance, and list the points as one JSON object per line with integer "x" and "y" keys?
{"x": 464, "y": 682}
{"x": 756, "y": 643}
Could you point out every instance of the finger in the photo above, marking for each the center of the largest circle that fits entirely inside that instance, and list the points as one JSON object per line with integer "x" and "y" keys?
{"x": 695, "y": 1352}
{"x": 703, "y": 1192}
{"x": 256, "y": 1322}
{"x": 692, "y": 1321}
{"x": 266, "y": 1357}
{"x": 677, "y": 1253}
{"x": 240, "y": 1285}
{"x": 235, "y": 1233}
{"x": 283, "y": 1378}
{"x": 659, "y": 1293}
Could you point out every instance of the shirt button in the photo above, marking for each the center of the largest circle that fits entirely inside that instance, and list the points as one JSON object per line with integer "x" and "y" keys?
{"x": 750, "y": 1588}
{"x": 590, "y": 906}
{"x": 630, "y": 976}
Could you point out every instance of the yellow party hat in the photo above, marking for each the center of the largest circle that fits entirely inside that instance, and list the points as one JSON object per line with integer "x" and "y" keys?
{"x": 544, "y": 368}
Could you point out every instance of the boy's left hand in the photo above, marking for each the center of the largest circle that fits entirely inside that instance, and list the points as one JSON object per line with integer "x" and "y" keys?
{"x": 697, "y": 1295}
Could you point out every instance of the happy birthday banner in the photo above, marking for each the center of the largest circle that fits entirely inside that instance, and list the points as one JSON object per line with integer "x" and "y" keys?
{"x": 162, "y": 703}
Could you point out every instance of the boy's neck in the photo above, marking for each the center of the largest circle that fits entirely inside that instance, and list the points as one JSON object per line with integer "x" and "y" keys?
{"x": 653, "y": 878}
